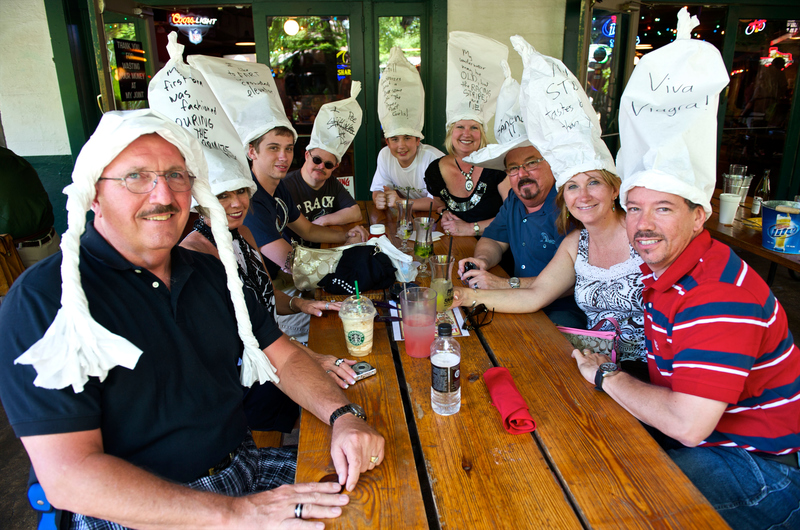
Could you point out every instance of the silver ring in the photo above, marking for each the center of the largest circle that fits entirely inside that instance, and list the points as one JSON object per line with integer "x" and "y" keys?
{"x": 329, "y": 371}
{"x": 298, "y": 511}
{"x": 327, "y": 305}
{"x": 339, "y": 361}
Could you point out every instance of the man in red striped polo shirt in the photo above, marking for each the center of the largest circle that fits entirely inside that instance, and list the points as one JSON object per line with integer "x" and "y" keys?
{"x": 724, "y": 370}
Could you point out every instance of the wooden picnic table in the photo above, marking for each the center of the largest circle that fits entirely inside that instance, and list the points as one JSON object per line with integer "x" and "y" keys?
{"x": 589, "y": 464}
{"x": 749, "y": 238}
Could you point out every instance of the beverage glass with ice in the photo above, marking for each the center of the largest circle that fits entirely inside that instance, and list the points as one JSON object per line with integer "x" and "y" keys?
{"x": 442, "y": 283}
{"x": 418, "y": 305}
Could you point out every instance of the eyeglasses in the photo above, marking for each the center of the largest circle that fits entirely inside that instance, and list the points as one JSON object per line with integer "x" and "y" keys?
{"x": 482, "y": 317}
{"x": 317, "y": 161}
{"x": 145, "y": 181}
{"x": 529, "y": 166}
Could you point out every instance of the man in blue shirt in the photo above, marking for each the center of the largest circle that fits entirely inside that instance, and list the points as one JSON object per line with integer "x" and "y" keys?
{"x": 526, "y": 224}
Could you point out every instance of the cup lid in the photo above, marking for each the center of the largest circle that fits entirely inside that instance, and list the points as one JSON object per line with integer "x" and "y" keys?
{"x": 360, "y": 306}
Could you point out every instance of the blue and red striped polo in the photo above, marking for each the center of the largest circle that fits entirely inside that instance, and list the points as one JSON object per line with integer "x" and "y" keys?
{"x": 714, "y": 329}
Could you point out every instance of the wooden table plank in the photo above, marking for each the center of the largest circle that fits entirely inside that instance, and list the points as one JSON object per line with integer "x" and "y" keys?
{"x": 481, "y": 476}
{"x": 388, "y": 496}
{"x": 613, "y": 469}
{"x": 590, "y": 463}
{"x": 582, "y": 431}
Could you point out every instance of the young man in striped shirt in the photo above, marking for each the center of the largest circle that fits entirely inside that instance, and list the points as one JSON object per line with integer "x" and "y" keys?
{"x": 724, "y": 371}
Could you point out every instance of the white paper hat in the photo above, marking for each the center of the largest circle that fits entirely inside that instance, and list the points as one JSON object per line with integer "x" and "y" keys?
{"x": 474, "y": 76}
{"x": 75, "y": 347}
{"x": 248, "y": 94}
{"x": 182, "y": 93}
{"x": 336, "y": 124}
{"x": 509, "y": 127}
{"x": 401, "y": 97}
{"x": 668, "y": 119}
{"x": 560, "y": 120}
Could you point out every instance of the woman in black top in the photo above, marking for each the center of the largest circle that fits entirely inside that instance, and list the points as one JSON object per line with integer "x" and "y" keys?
{"x": 472, "y": 195}
{"x": 266, "y": 407}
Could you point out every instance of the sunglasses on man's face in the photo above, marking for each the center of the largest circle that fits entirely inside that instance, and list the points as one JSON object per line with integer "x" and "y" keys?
{"x": 317, "y": 161}
{"x": 478, "y": 317}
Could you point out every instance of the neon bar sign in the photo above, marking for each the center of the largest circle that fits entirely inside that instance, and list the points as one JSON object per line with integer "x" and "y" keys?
{"x": 755, "y": 26}
{"x": 191, "y": 20}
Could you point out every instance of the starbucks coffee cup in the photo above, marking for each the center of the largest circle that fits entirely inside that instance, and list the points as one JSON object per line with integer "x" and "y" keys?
{"x": 358, "y": 315}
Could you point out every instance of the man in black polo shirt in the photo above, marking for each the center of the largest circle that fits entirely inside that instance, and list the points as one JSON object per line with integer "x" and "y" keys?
{"x": 122, "y": 383}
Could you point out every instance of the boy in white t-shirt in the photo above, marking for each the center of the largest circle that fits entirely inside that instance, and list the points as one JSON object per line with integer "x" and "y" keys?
{"x": 401, "y": 172}
{"x": 402, "y": 163}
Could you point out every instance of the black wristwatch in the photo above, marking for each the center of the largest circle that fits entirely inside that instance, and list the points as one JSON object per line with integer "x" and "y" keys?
{"x": 605, "y": 370}
{"x": 352, "y": 408}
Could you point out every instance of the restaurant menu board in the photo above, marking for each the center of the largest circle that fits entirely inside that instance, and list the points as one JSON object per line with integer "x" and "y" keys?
{"x": 132, "y": 77}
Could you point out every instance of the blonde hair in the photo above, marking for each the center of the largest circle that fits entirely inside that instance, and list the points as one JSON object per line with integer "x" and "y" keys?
{"x": 565, "y": 223}
{"x": 448, "y": 139}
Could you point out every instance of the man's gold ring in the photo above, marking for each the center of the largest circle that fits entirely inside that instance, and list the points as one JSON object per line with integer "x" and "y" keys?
{"x": 373, "y": 459}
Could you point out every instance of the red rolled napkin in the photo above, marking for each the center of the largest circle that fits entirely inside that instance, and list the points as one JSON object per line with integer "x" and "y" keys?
{"x": 505, "y": 396}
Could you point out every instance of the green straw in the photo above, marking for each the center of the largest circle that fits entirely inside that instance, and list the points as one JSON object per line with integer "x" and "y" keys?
{"x": 358, "y": 295}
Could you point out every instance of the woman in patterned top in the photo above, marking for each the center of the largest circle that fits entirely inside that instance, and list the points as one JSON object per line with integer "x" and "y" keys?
{"x": 596, "y": 260}
{"x": 472, "y": 195}
{"x": 267, "y": 408}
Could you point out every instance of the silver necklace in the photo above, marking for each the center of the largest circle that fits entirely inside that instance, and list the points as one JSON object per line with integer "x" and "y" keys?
{"x": 468, "y": 185}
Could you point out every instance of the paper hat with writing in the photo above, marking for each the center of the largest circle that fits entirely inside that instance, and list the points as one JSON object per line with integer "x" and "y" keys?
{"x": 509, "y": 127}
{"x": 401, "y": 97}
{"x": 474, "y": 76}
{"x": 248, "y": 94}
{"x": 560, "y": 120}
{"x": 75, "y": 347}
{"x": 336, "y": 124}
{"x": 668, "y": 119}
{"x": 182, "y": 93}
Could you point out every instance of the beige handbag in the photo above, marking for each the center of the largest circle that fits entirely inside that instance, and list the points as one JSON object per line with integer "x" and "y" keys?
{"x": 310, "y": 265}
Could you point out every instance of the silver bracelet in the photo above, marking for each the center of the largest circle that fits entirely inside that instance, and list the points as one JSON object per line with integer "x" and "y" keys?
{"x": 290, "y": 305}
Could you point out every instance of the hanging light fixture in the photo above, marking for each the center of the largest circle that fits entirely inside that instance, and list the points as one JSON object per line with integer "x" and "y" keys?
{"x": 291, "y": 27}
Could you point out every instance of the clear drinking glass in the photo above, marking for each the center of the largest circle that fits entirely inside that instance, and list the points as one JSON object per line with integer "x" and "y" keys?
{"x": 404, "y": 224}
{"x": 442, "y": 283}
{"x": 737, "y": 169}
{"x": 423, "y": 243}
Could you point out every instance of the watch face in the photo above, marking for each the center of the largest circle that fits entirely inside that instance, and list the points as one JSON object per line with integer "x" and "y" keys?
{"x": 608, "y": 367}
{"x": 358, "y": 409}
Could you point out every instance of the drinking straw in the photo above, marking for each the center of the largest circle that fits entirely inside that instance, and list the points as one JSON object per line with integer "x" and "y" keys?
{"x": 430, "y": 224}
{"x": 449, "y": 254}
{"x": 358, "y": 295}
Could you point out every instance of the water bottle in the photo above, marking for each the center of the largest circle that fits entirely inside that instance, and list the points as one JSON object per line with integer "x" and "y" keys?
{"x": 445, "y": 372}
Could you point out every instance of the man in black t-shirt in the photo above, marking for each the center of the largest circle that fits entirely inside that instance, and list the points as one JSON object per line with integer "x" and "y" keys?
{"x": 321, "y": 199}
{"x": 125, "y": 391}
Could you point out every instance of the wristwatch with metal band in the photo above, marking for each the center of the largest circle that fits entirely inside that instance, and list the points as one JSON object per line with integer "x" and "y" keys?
{"x": 514, "y": 282}
{"x": 605, "y": 370}
{"x": 352, "y": 408}
{"x": 477, "y": 229}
